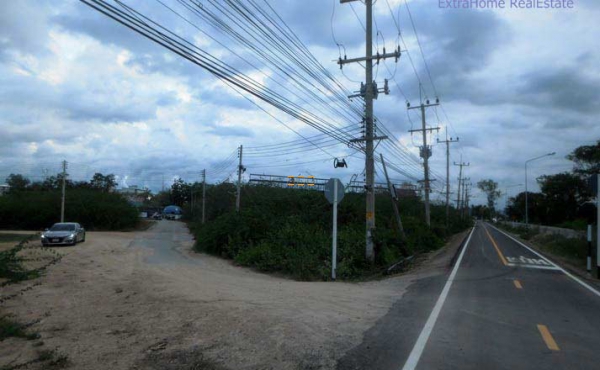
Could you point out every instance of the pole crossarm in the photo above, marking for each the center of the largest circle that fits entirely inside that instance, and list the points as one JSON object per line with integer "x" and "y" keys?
{"x": 378, "y": 57}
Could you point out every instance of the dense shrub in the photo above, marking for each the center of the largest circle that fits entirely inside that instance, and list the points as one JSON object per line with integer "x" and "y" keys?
{"x": 289, "y": 231}
{"x": 93, "y": 209}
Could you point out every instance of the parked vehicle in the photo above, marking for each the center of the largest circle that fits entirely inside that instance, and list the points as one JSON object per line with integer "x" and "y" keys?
{"x": 157, "y": 216}
{"x": 65, "y": 233}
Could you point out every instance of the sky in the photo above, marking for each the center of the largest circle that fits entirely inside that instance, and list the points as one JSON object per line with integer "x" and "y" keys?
{"x": 514, "y": 84}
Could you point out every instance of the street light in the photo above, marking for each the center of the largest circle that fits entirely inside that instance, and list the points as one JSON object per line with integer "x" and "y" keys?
{"x": 526, "y": 200}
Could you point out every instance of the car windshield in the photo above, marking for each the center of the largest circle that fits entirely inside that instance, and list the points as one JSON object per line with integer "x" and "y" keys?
{"x": 62, "y": 227}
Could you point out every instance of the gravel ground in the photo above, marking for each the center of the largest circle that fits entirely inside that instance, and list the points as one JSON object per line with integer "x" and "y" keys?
{"x": 143, "y": 300}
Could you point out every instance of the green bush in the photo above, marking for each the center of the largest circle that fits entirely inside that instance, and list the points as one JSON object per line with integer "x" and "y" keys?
{"x": 289, "y": 231}
{"x": 95, "y": 210}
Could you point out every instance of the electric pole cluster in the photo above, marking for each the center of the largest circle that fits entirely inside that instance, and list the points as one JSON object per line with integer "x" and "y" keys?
{"x": 448, "y": 142}
{"x": 369, "y": 92}
{"x": 461, "y": 182}
{"x": 241, "y": 169}
{"x": 425, "y": 152}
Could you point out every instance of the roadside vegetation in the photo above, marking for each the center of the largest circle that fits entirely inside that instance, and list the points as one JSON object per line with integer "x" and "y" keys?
{"x": 288, "y": 231}
{"x": 35, "y": 206}
{"x": 11, "y": 267}
{"x": 571, "y": 250}
{"x": 564, "y": 200}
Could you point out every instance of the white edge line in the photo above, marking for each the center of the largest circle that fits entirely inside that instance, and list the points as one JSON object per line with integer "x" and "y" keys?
{"x": 552, "y": 268}
{"x": 552, "y": 263}
{"x": 417, "y": 351}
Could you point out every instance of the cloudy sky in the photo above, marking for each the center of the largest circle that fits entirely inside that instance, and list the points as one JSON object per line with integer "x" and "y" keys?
{"x": 77, "y": 86}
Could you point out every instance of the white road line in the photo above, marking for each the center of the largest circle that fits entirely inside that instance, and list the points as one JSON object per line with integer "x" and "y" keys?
{"x": 417, "y": 351}
{"x": 588, "y": 287}
{"x": 534, "y": 267}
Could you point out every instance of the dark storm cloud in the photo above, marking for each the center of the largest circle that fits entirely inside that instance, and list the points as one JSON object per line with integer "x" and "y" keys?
{"x": 566, "y": 88}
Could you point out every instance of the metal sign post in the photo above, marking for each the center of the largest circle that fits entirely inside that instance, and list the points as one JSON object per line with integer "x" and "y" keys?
{"x": 589, "y": 256}
{"x": 334, "y": 192}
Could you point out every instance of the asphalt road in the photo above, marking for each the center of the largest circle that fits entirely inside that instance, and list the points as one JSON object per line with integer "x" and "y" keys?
{"x": 501, "y": 306}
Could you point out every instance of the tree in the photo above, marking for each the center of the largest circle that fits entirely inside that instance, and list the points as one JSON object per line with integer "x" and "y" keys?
{"x": 587, "y": 159}
{"x": 535, "y": 202}
{"x": 180, "y": 192}
{"x": 490, "y": 188}
{"x": 563, "y": 194}
{"x": 17, "y": 182}
{"x": 103, "y": 182}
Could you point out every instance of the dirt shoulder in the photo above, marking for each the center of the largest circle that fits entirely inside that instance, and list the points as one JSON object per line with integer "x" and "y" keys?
{"x": 142, "y": 300}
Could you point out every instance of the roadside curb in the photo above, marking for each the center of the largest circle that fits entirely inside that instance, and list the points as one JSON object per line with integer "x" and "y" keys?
{"x": 461, "y": 246}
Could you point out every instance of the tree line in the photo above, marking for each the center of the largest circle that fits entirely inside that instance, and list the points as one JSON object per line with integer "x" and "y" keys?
{"x": 564, "y": 198}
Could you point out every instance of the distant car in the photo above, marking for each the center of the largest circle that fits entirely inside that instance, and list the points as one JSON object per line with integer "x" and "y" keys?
{"x": 66, "y": 233}
{"x": 172, "y": 213}
{"x": 157, "y": 216}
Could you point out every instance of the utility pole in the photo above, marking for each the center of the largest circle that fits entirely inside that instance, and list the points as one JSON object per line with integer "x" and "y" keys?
{"x": 448, "y": 142}
{"x": 369, "y": 91}
{"x": 64, "y": 187}
{"x": 425, "y": 152}
{"x": 460, "y": 181}
{"x": 394, "y": 198}
{"x": 465, "y": 202}
{"x": 241, "y": 169}
{"x": 203, "y": 195}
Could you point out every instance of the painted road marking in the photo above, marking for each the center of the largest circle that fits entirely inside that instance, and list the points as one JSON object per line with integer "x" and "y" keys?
{"x": 496, "y": 247}
{"x": 588, "y": 287}
{"x": 533, "y": 263}
{"x": 417, "y": 351}
{"x": 550, "y": 342}
{"x": 517, "y": 284}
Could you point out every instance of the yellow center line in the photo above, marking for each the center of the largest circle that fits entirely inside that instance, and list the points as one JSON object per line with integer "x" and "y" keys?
{"x": 497, "y": 249}
{"x": 518, "y": 284}
{"x": 550, "y": 343}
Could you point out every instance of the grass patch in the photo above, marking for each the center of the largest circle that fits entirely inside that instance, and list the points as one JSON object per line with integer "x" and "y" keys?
{"x": 10, "y": 328}
{"x": 11, "y": 268}
{"x": 10, "y": 238}
{"x": 53, "y": 358}
{"x": 572, "y": 250}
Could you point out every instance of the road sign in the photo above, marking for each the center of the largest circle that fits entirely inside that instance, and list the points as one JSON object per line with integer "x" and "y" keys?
{"x": 329, "y": 187}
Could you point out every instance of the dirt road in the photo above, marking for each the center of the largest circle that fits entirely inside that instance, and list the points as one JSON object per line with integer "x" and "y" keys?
{"x": 143, "y": 300}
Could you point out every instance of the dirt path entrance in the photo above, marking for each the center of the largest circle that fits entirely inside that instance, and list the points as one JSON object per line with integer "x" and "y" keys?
{"x": 144, "y": 301}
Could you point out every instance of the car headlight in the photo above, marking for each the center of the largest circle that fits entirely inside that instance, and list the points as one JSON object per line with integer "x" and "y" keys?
{"x": 43, "y": 236}
{"x": 72, "y": 236}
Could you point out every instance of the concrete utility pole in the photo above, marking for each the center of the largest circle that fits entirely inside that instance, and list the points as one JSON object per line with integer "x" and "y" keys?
{"x": 460, "y": 179}
{"x": 203, "y": 195}
{"x": 425, "y": 152}
{"x": 369, "y": 92}
{"x": 241, "y": 169}
{"x": 448, "y": 142}
{"x": 394, "y": 198}
{"x": 465, "y": 202}
{"x": 64, "y": 187}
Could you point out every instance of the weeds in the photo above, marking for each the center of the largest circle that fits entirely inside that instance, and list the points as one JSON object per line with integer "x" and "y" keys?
{"x": 289, "y": 231}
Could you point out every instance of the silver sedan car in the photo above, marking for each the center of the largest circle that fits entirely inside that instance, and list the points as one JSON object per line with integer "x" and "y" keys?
{"x": 67, "y": 233}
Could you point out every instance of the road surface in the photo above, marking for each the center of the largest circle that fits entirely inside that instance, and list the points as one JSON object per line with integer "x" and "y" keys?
{"x": 502, "y": 306}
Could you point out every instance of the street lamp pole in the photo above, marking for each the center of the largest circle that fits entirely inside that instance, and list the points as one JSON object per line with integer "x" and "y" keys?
{"x": 526, "y": 192}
